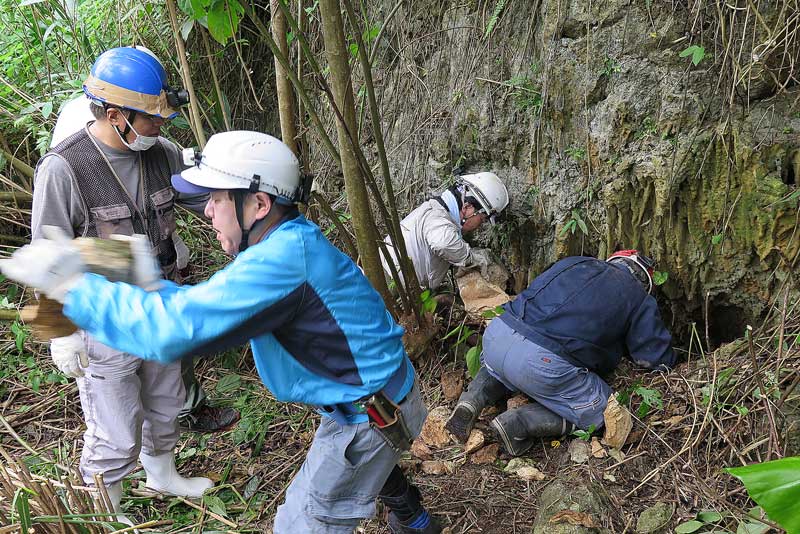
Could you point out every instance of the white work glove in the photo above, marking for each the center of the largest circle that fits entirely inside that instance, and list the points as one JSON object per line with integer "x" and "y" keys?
{"x": 481, "y": 258}
{"x": 52, "y": 264}
{"x": 69, "y": 354}
{"x": 146, "y": 272}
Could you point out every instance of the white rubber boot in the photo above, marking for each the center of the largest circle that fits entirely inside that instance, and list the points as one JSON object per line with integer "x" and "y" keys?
{"x": 163, "y": 477}
{"x": 114, "y": 492}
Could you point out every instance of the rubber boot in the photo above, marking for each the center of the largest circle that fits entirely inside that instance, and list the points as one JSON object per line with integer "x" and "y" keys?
{"x": 404, "y": 501}
{"x": 481, "y": 392}
{"x": 518, "y": 429}
{"x": 163, "y": 477}
{"x": 114, "y": 492}
{"x": 398, "y": 527}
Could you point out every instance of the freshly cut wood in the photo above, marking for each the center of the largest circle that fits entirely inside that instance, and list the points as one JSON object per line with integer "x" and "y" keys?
{"x": 106, "y": 257}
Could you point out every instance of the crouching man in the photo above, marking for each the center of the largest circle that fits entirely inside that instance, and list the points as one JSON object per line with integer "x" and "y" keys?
{"x": 571, "y": 325}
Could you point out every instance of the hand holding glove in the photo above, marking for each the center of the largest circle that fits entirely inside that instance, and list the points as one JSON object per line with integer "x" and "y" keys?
{"x": 69, "y": 354}
{"x": 52, "y": 264}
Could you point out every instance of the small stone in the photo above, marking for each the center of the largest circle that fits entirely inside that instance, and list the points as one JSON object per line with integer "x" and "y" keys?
{"x": 433, "y": 432}
{"x": 655, "y": 519}
{"x": 515, "y": 464}
{"x": 490, "y": 410}
{"x": 420, "y": 450}
{"x": 516, "y": 401}
{"x": 609, "y": 477}
{"x": 452, "y": 384}
{"x": 475, "y": 441}
{"x": 617, "y": 454}
{"x": 435, "y": 467}
{"x": 530, "y": 473}
{"x": 579, "y": 451}
{"x": 571, "y": 517}
{"x": 487, "y": 454}
{"x": 410, "y": 465}
{"x": 597, "y": 450}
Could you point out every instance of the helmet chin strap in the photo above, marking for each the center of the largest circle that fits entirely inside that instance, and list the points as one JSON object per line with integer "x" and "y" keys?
{"x": 239, "y": 196}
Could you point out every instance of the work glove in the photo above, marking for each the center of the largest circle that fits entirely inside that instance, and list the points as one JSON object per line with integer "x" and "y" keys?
{"x": 52, "y": 264}
{"x": 146, "y": 271}
{"x": 69, "y": 354}
{"x": 481, "y": 258}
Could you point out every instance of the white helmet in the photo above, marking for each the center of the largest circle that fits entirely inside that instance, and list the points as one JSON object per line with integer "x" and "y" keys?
{"x": 488, "y": 190}
{"x": 242, "y": 160}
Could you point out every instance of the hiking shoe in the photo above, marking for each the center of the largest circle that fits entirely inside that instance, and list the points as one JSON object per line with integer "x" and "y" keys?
{"x": 210, "y": 419}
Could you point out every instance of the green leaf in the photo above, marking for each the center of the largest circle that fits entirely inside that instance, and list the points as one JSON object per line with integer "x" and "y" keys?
{"x": 688, "y": 527}
{"x": 47, "y": 109}
{"x": 742, "y": 410}
{"x": 752, "y": 528}
{"x": 697, "y": 53}
{"x": 228, "y": 383}
{"x": 582, "y": 226}
{"x": 650, "y": 396}
{"x": 216, "y": 505}
{"x": 709, "y": 516}
{"x": 473, "y": 358}
{"x": 660, "y": 277}
{"x": 776, "y": 487}
{"x": 716, "y": 239}
{"x": 223, "y": 19}
{"x": 22, "y": 508}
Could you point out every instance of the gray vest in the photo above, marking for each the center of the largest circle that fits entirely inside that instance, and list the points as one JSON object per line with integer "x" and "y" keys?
{"x": 107, "y": 208}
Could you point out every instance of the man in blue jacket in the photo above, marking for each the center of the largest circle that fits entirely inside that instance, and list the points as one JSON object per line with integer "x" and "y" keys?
{"x": 320, "y": 334}
{"x": 571, "y": 325}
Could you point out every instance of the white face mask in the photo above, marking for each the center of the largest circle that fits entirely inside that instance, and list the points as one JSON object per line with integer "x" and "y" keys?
{"x": 141, "y": 143}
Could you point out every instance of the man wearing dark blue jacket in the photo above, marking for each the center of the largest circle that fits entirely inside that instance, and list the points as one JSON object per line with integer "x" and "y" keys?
{"x": 571, "y": 325}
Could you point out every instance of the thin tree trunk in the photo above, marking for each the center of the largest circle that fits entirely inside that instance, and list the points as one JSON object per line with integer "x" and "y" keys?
{"x": 194, "y": 113}
{"x": 283, "y": 85}
{"x": 217, "y": 88}
{"x": 363, "y": 221}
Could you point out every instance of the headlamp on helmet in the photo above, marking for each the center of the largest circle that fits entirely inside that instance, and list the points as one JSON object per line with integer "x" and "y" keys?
{"x": 639, "y": 265}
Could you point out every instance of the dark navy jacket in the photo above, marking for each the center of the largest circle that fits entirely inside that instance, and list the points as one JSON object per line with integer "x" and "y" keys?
{"x": 589, "y": 312}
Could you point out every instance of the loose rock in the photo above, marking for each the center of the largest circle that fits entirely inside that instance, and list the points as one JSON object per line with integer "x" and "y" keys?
{"x": 437, "y": 467}
{"x": 618, "y": 423}
{"x": 655, "y": 519}
{"x": 597, "y": 450}
{"x": 487, "y": 454}
{"x": 475, "y": 441}
{"x": 420, "y": 450}
{"x": 516, "y": 401}
{"x": 452, "y": 384}
{"x": 579, "y": 451}
{"x": 433, "y": 432}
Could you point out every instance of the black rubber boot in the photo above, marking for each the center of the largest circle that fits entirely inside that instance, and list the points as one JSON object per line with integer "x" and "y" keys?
{"x": 406, "y": 513}
{"x": 481, "y": 392}
{"x": 398, "y": 527}
{"x": 518, "y": 429}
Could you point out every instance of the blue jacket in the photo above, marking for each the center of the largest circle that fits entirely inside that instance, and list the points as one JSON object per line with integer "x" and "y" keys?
{"x": 320, "y": 333}
{"x": 590, "y": 312}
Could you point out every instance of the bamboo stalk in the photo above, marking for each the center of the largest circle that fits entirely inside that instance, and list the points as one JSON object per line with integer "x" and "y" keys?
{"x": 225, "y": 118}
{"x": 187, "y": 76}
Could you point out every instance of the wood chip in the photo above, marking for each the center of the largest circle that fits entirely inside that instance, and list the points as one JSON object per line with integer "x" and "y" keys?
{"x": 597, "y": 450}
{"x": 618, "y": 423}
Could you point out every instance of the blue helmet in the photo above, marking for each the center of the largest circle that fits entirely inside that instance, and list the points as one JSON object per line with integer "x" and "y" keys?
{"x": 133, "y": 78}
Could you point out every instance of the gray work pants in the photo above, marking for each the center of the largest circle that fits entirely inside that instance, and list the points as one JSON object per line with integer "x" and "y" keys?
{"x": 575, "y": 393}
{"x": 195, "y": 396}
{"x": 129, "y": 405}
{"x": 345, "y": 469}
